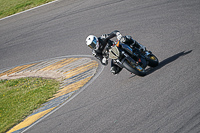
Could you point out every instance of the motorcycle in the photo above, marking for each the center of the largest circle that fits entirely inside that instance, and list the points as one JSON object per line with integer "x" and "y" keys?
{"x": 132, "y": 59}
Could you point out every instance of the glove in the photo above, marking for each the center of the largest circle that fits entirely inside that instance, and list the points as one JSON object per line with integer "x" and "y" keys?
{"x": 119, "y": 36}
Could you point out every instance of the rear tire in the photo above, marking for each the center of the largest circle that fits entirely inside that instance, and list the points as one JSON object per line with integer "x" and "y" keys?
{"x": 134, "y": 69}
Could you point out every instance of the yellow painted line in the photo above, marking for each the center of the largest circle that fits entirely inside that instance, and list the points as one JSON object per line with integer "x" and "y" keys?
{"x": 72, "y": 87}
{"x": 81, "y": 69}
{"x": 59, "y": 64}
{"x": 31, "y": 119}
{"x": 16, "y": 69}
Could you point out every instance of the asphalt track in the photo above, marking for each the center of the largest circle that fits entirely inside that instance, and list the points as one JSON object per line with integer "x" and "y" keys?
{"x": 165, "y": 101}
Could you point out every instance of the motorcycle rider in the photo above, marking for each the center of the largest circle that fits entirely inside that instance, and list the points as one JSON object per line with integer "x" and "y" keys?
{"x": 101, "y": 45}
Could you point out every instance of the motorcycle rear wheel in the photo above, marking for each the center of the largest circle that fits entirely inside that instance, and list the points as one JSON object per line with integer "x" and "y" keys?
{"x": 137, "y": 70}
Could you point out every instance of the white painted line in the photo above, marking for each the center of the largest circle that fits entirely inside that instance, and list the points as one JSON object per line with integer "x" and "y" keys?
{"x": 29, "y": 10}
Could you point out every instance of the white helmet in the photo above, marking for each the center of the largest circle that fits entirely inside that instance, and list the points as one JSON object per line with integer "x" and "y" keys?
{"x": 92, "y": 42}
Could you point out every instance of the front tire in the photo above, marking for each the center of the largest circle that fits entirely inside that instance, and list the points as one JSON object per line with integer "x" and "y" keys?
{"x": 138, "y": 70}
{"x": 153, "y": 60}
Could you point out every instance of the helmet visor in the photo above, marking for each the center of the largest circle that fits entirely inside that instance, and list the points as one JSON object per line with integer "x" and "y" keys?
{"x": 94, "y": 44}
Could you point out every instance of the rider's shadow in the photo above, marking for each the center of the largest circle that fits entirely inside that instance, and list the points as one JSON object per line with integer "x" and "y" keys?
{"x": 167, "y": 61}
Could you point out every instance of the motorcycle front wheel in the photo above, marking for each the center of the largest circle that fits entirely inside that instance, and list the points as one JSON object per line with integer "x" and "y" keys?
{"x": 136, "y": 69}
{"x": 153, "y": 60}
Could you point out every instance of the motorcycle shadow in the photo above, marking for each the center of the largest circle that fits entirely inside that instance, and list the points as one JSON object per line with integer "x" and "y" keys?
{"x": 167, "y": 61}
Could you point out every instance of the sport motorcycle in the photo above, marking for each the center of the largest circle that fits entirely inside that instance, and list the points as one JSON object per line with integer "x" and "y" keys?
{"x": 132, "y": 59}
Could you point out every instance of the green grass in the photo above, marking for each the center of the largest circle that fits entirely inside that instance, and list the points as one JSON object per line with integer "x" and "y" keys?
{"x": 10, "y": 7}
{"x": 19, "y": 97}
